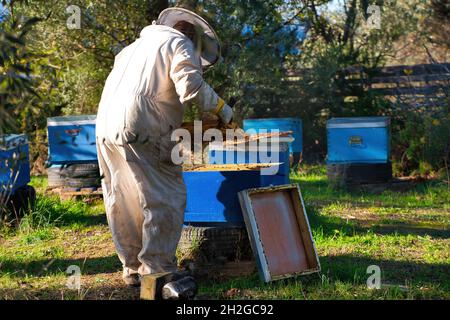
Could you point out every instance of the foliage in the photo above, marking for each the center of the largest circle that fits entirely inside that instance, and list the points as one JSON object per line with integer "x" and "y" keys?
{"x": 50, "y": 212}
{"x": 336, "y": 41}
{"x": 422, "y": 144}
{"x": 260, "y": 48}
{"x": 437, "y": 24}
{"x": 28, "y": 79}
{"x": 83, "y": 57}
{"x": 70, "y": 66}
{"x": 255, "y": 42}
{"x": 16, "y": 82}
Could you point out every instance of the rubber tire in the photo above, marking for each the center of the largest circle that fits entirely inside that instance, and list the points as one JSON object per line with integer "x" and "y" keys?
{"x": 55, "y": 178}
{"x": 80, "y": 170}
{"x": 80, "y": 175}
{"x": 359, "y": 173}
{"x": 20, "y": 201}
{"x": 79, "y": 183}
{"x": 212, "y": 243}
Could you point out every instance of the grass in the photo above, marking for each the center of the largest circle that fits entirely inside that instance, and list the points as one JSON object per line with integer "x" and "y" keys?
{"x": 405, "y": 234}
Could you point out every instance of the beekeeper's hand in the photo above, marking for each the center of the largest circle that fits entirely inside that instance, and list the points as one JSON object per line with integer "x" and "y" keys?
{"x": 224, "y": 111}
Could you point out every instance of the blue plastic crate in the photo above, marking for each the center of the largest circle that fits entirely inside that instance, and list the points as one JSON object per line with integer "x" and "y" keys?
{"x": 71, "y": 139}
{"x": 281, "y": 124}
{"x": 14, "y": 161}
{"x": 358, "y": 140}
{"x": 212, "y": 196}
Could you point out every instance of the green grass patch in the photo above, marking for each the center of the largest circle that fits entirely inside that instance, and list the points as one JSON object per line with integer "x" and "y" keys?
{"x": 406, "y": 234}
{"x": 37, "y": 236}
{"x": 50, "y": 211}
{"x": 315, "y": 188}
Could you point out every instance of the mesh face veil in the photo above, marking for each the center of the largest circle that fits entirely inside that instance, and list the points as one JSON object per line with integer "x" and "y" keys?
{"x": 205, "y": 38}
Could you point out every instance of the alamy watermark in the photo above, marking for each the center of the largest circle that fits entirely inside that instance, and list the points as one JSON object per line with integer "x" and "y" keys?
{"x": 374, "y": 280}
{"x": 73, "y": 22}
{"x": 74, "y": 277}
{"x": 374, "y": 16}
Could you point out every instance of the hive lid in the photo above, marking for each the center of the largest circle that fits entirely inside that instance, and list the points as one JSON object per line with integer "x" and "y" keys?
{"x": 279, "y": 231}
{"x": 9, "y": 141}
{"x": 71, "y": 120}
{"x": 264, "y": 137}
{"x": 359, "y": 122}
{"x": 254, "y": 146}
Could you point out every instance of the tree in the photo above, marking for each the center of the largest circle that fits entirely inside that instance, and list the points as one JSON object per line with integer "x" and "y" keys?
{"x": 255, "y": 43}
{"x": 261, "y": 47}
{"x": 83, "y": 57}
{"x": 251, "y": 67}
{"x": 17, "y": 84}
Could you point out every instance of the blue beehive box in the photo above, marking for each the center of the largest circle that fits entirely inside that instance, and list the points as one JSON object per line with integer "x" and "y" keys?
{"x": 212, "y": 196}
{"x": 280, "y": 124}
{"x": 14, "y": 162}
{"x": 358, "y": 140}
{"x": 71, "y": 139}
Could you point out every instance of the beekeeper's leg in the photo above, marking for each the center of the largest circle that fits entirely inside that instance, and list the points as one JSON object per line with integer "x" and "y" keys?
{"x": 163, "y": 223}
{"x": 163, "y": 200}
{"x": 122, "y": 208}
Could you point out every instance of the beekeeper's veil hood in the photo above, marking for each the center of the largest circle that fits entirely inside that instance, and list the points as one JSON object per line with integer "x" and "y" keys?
{"x": 206, "y": 40}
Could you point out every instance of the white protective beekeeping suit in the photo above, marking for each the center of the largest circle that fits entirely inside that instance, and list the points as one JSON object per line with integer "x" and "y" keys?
{"x": 141, "y": 104}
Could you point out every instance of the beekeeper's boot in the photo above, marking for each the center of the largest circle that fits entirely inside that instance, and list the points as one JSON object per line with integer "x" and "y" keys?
{"x": 131, "y": 279}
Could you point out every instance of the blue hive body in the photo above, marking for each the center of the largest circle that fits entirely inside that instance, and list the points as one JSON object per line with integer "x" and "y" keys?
{"x": 281, "y": 124}
{"x": 212, "y": 196}
{"x": 72, "y": 139}
{"x": 14, "y": 161}
{"x": 358, "y": 140}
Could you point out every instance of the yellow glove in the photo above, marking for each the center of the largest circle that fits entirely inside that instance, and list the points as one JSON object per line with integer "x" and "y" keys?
{"x": 224, "y": 111}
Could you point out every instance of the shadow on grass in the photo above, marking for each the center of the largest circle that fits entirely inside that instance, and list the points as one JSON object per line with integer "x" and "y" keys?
{"x": 338, "y": 267}
{"x": 46, "y": 267}
{"x": 350, "y": 268}
{"x": 102, "y": 292}
{"x": 86, "y": 220}
{"x": 345, "y": 269}
{"x": 329, "y": 224}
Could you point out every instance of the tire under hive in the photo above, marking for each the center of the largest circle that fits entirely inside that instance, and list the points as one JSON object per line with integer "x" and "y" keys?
{"x": 352, "y": 175}
{"x": 75, "y": 181}
{"x": 77, "y": 176}
{"x": 216, "y": 252}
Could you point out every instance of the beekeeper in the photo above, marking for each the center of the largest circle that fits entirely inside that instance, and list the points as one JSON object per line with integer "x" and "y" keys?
{"x": 141, "y": 105}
